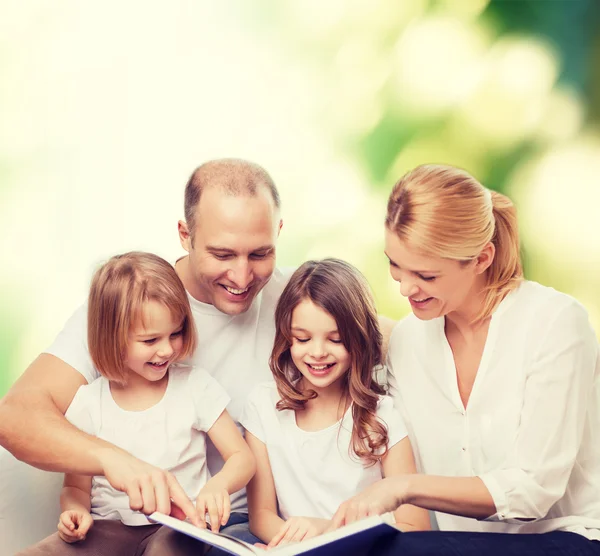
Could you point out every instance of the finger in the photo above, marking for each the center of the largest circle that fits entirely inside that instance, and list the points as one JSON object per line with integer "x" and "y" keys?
{"x": 67, "y": 533}
{"x": 162, "y": 497}
{"x": 300, "y": 534}
{"x": 338, "y": 518}
{"x": 178, "y": 495}
{"x": 351, "y": 513}
{"x": 67, "y": 520}
{"x": 219, "y": 506}
{"x": 201, "y": 512}
{"x": 280, "y": 534}
{"x": 213, "y": 513}
{"x": 134, "y": 494}
{"x": 148, "y": 496}
{"x": 226, "y": 509}
{"x": 177, "y": 512}
{"x": 291, "y": 533}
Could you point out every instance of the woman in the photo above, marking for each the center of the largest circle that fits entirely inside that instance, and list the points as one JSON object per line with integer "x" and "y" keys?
{"x": 496, "y": 378}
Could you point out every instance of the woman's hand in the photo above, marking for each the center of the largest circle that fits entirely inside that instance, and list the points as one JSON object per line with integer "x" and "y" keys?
{"x": 214, "y": 501}
{"x": 297, "y": 529}
{"x": 383, "y": 496}
{"x": 73, "y": 525}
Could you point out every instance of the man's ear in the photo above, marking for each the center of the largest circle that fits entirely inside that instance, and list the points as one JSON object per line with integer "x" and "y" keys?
{"x": 185, "y": 237}
{"x": 485, "y": 258}
{"x": 279, "y": 227}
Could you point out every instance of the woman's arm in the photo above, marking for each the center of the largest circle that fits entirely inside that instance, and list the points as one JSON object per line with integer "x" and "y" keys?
{"x": 466, "y": 496}
{"x": 400, "y": 460}
{"x": 238, "y": 470}
{"x": 265, "y": 522}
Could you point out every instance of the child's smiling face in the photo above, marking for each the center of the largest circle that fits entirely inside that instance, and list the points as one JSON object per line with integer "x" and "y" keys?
{"x": 317, "y": 350}
{"x": 154, "y": 343}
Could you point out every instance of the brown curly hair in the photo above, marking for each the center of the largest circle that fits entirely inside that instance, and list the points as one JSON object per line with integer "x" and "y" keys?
{"x": 342, "y": 291}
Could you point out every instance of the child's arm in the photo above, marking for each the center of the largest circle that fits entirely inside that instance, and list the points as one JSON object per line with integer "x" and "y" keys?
{"x": 238, "y": 470}
{"x": 265, "y": 522}
{"x": 400, "y": 460}
{"x": 75, "y": 503}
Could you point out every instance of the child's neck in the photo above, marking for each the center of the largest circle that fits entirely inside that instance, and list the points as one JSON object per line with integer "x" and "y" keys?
{"x": 325, "y": 410}
{"x": 139, "y": 394}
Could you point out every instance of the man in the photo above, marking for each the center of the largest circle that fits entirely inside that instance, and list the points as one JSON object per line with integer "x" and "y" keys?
{"x": 232, "y": 221}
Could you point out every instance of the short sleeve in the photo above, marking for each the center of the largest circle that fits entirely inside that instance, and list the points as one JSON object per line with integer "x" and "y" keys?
{"x": 251, "y": 414}
{"x": 209, "y": 397}
{"x": 390, "y": 415}
{"x": 71, "y": 345}
{"x": 83, "y": 407}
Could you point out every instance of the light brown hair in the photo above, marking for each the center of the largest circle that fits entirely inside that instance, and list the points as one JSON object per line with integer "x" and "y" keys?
{"x": 339, "y": 289}
{"x": 118, "y": 292}
{"x": 443, "y": 211}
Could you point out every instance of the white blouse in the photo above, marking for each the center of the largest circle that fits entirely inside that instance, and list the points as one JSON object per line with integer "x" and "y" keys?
{"x": 531, "y": 429}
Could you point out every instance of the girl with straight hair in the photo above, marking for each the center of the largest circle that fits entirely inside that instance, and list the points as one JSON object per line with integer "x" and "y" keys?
{"x": 323, "y": 430}
{"x": 497, "y": 379}
{"x": 140, "y": 328}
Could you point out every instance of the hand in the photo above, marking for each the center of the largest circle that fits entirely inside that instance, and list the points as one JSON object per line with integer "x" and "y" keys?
{"x": 73, "y": 525}
{"x": 297, "y": 529}
{"x": 214, "y": 501}
{"x": 149, "y": 488}
{"x": 383, "y": 496}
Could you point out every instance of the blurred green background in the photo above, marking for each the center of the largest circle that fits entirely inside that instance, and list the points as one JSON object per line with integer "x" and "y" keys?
{"x": 106, "y": 108}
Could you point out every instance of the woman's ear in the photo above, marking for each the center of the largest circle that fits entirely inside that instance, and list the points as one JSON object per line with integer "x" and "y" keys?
{"x": 485, "y": 258}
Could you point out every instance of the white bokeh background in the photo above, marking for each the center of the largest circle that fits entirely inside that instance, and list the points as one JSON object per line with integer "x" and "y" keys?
{"x": 105, "y": 110}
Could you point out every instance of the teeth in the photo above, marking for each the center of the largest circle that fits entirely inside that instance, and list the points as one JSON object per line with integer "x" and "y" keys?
{"x": 319, "y": 367}
{"x": 234, "y": 291}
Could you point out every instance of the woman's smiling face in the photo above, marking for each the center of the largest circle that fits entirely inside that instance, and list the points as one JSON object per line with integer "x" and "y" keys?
{"x": 434, "y": 286}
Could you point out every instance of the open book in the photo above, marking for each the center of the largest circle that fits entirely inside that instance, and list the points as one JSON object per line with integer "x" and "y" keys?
{"x": 355, "y": 538}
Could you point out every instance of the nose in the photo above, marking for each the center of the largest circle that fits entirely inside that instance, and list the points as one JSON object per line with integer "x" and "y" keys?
{"x": 317, "y": 349}
{"x": 408, "y": 288}
{"x": 241, "y": 273}
{"x": 165, "y": 348}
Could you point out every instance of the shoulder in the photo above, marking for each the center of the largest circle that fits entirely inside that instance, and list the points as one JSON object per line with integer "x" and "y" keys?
{"x": 546, "y": 307}
{"x": 264, "y": 394}
{"x": 277, "y": 283}
{"x": 191, "y": 378}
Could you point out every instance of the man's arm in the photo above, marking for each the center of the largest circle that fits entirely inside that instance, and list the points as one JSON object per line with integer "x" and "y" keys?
{"x": 33, "y": 428}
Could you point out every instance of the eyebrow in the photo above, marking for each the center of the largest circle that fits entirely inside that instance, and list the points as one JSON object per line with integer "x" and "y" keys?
{"x": 415, "y": 271}
{"x": 233, "y": 252}
{"x": 299, "y": 329}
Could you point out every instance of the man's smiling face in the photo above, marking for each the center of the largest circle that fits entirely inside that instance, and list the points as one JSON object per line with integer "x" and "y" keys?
{"x": 232, "y": 255}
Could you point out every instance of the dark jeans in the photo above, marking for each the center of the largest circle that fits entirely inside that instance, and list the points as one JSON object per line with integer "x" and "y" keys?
{"x": 451, "y": 543}
{"x": 237, "y": 526}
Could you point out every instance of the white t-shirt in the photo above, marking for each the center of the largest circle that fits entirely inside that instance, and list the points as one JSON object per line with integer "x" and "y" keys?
{"x": 313, "y": 472}
{"x": 171, "y": 434}
{"x": 234, "y": 349}
{"x": 531, "y": 429}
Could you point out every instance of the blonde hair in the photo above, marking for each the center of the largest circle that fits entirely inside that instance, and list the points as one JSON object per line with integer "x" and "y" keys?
{"x": 118, "y": 292}
{"x": 342, "y": 291}
{"x": 443, "y": 211}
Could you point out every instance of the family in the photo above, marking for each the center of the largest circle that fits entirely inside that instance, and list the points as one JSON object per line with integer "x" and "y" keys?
{"x": 274, "y": 405}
